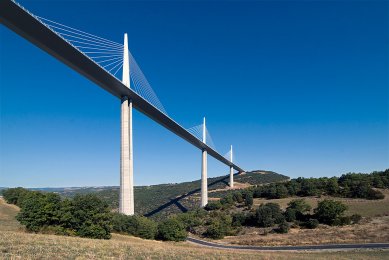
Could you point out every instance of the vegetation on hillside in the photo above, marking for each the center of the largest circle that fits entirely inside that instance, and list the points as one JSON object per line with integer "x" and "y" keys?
{"x": 89, "y": 216}
{"x": 351, "y": 185}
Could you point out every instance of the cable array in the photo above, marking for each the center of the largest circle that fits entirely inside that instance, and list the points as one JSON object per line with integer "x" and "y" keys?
{"x": 227, "y": 155}
{"x": 142, "y": 86}
{"x": 197, "y": 131}
{"x": 108, "y": 55}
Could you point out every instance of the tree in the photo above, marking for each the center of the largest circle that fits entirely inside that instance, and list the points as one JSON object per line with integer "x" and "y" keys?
{"x": 311, "y": 223}
{"x": 328, "y": 211}
{"x": 215, "y": 230}
{"x": 300, "y": 207}
{"x": 39, "y": 210}
{"x": 283, "y": 228}
{"x": 268, "y": 214}
{"x": 227, "y": 201}
{"x": 88, "y": 215}
{"x": 248, "y": 199}
{"x": 15, "y": 195}
{"x": 213, "y": 205}
{"x": 237, "y": 196}
{"x": 172, "y": 230}
{"x": 138, "y": 226}
{"x": 290, "y": 214}
{"x": 332, "y": 187}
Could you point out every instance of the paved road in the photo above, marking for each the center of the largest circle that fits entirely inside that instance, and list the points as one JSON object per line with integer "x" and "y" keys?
{"x": 293, "y": 248}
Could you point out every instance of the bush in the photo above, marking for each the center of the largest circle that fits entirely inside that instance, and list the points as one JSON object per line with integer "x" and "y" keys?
{"x": 237, "y": 196}
{"x": 215, "y": 231}
{"x": 311, "y": 223}
{"x": 227, "y": 201}
{"x": 374, "y": 195}
{"x": 283, "y": 228}
{"x": 213, "y": 205}
{"x": 268, "y": 214}
{"x": 134, "y": 225}
{"x": 90, "y": 216}
{"x": 39, "y": 210}
{"x": 190, "y": 219}
{"x": 238, "y": 219}
{"x": 172, "y": 230}
{"x": 356, "y": 218}
{"x": 328, "y": 211}
{"x": 290, "y": 214}
{"x": 342, "y": 221}
{"x": 14, "y": 195}
{"x": 248, "y": 199}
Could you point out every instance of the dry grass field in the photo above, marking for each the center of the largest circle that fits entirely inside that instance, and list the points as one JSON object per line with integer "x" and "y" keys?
{"x": 366, "y": 208}
{"x": 368, "y": 231}
{"x": 15, "y": 243}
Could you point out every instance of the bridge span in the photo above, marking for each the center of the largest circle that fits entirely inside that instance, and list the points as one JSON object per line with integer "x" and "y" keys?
{"x": 30, "y": 27}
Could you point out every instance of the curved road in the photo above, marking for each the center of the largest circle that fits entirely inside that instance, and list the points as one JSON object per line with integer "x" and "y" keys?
{"x": 291, "y": 248}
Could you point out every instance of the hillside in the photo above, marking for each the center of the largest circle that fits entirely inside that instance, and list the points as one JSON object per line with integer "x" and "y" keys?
{"x": 159, "y": 201}
{"x": 15, "y": 243}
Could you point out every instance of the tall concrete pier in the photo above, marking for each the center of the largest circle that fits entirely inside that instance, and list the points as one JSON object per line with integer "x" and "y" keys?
{"x": 231, "y": 171}
{"x": 204, "y": 180}
{"x": 126, "y": 200}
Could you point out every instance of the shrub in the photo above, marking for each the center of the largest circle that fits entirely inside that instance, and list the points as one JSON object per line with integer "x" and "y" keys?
{"x": 237, "y": 196}
{"x": 213, "y": 205}
{"x": 146, "y": 228}
{"x": 39, "y": 210}
{"x": 300, "y": 205}
{"x": 172, "y": 230}
{"x": 215, "y": 231}
{"x": 328, "y": 211}
{"x": 268, "y": 214}
{"x": 311, "y": 223}
{"x": 248, "y": 199}
{"x": 190, "y": 219}
{"x": 134, "y": 225}
{"x": 14, "y": 195}
{"x": 239, "y": 219}
{"x": 342, "y": 221}
{"x": 227, "y": 201}
{"x": 283, "y": 228}
{"x": 90, "y": 216}
{"x": 356, "y": 218}
{"x": 290, "y": 214}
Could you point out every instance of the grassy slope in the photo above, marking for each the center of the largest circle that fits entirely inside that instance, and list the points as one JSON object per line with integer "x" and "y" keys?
{"x": 18, "y": 244}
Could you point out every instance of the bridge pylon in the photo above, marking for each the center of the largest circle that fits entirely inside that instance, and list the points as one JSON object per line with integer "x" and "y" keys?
{"x": 126, "y": 197}
{"x": 231, "y": 171}
{"x": 204, "y": 177}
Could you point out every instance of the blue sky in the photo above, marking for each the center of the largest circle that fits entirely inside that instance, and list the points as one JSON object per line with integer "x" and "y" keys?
{"x": 297, "y": 87}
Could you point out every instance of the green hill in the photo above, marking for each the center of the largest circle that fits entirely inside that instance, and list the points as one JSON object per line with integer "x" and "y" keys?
{"x": 161, "y": 200}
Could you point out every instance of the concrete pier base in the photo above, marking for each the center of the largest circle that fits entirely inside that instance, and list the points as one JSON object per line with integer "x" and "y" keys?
{"x": 204, "y": 179}
{"x": 231, "y": 177}
{"x": 126, "y": 199}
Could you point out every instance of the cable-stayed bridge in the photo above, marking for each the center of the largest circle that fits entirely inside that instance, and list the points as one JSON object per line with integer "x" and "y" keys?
{"x": 103, "y": 61}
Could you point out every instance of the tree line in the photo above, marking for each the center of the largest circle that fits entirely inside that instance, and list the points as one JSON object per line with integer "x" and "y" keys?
{"x": 85, "y": 215}
{"x": 351, "y": 185}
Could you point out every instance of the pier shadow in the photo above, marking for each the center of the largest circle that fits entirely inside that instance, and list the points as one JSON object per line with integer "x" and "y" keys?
{"x": 177, "y": 201}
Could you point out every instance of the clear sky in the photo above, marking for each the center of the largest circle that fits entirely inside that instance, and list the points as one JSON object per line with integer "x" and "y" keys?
{"x": 298, "y": 87}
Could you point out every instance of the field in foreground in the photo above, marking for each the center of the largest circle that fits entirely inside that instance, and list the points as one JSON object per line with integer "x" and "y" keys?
{"x": 15, "y": 243}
